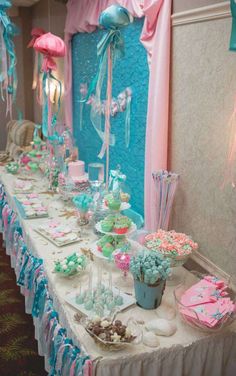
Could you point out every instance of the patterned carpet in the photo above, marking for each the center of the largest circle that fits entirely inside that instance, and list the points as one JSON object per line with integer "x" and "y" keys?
{"x": 18, "y": 348}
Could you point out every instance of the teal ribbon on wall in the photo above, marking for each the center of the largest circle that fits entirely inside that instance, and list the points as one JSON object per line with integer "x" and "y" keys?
{"x": 8, "y": 75}
{"x": 232, "y": 44}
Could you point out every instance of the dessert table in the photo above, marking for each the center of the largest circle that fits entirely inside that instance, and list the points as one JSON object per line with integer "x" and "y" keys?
{"x": 187, "y": 352}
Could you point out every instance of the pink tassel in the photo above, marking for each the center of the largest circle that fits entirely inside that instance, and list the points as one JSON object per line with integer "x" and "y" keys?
{"x": 88, "y": 368}
{"x": 72, "y": 368}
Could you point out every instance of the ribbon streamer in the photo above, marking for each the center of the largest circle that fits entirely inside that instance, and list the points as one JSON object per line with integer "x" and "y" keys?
{"x": 8, "y": 76}
{"x": 37, "y": 81}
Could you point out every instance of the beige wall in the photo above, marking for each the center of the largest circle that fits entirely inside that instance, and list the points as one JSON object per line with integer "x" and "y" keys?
{"x": 203, "y": 94}
{"x": 24, "y": 66}
{"x": 40, "y": 18}
{"x": 183, "y": 5}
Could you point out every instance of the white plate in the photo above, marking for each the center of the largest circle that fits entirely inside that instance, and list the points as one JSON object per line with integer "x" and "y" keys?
{"x": 135, "y": 246}
{"x": 132, "y": 228}
{"x": 124, "y": 206}
{"x": 128, "y": 301}
{"x": 74, "y": 238}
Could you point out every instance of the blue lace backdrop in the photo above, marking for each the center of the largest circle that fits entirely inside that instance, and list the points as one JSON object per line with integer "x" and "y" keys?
{"x": 131, "y": 71}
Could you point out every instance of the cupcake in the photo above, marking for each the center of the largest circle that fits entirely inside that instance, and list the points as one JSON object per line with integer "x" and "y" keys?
{"x": 106, "y": 225}
{"x": 104, "y": 240}
{"x": 122, "y": 225}
{"x": 125, "y": 197}
{"x": 107, "y": 250}
{"x": 114, "y": 204}
{"x": 107, "y": 199}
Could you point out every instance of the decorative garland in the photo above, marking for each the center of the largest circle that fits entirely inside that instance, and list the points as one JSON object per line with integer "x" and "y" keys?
{"x": 64, "y": 357}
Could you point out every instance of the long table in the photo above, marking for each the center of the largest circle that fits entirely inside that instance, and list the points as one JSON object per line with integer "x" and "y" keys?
{"x": 188, "y": 352}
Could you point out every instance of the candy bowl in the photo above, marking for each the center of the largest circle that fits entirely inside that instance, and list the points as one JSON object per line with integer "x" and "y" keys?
{"x": 12, "y": 168}
{"x": 205, "y": 302}
{"x": 176, "y": 247}
{"x": 122, "y": 259}
{"x": 112, "y": 335}
{"x": 71, "y": 265}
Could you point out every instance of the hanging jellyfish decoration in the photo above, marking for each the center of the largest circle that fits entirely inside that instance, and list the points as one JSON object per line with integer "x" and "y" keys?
{"x": 110, "y": 47}
{"x": 50, "y": 46}
{"x": 8, "y": 76}
{"x": 37, "y": 82}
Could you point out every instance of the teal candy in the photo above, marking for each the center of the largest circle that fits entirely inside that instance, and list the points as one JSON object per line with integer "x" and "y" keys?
{"x": 232, "y": 45}
{"x": 148, "y": 297}
{"x": 131, "y": 71}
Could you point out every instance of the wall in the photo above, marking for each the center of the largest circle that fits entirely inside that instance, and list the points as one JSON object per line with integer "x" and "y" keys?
{"x": 184, "y": 5}
{"x": 24, "y": 69}
{"x": 130, "y": 71}
{"x": 50, "y": 19}
{"x": 203, "y": 94}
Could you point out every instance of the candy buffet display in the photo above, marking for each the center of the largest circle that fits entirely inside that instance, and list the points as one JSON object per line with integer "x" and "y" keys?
{"x": 173, "y": 245}
{"x": 71, "y": 265}
{"x": 208, "y": 305}
{"x": 150, "y": 271}
{"x": 102, "y": 300}
{"x": 58, "y": 233}
{"x": 30, "y": 206}
{"x": 113, "y": 334}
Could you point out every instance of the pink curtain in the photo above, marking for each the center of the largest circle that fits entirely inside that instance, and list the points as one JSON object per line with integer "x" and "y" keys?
{"x": 82, "y": 17}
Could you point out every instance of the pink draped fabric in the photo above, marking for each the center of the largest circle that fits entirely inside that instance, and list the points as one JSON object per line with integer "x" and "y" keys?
{"x": 83, "y": 17}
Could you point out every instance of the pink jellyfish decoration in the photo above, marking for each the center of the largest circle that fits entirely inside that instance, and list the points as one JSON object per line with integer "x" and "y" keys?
{"x": 50, "y": 46}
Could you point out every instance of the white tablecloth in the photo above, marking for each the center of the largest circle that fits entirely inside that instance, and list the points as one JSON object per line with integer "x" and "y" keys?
{"x": 188, "y": 352}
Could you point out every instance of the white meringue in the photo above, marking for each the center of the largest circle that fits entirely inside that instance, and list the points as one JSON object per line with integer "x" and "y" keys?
{"x": 150, "y": 340}
{"x": 161, "y": 327}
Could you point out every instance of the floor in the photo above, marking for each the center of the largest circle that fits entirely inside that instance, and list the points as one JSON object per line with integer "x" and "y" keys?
{"x": 18, "y": 348}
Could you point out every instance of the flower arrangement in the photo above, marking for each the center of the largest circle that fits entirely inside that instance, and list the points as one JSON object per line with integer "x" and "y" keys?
{"x": 170, "y": 243}
{"x": 149, "y": 267}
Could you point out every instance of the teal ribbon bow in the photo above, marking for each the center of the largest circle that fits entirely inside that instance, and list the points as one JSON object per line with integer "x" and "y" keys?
{"x": 115, "y": 180}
